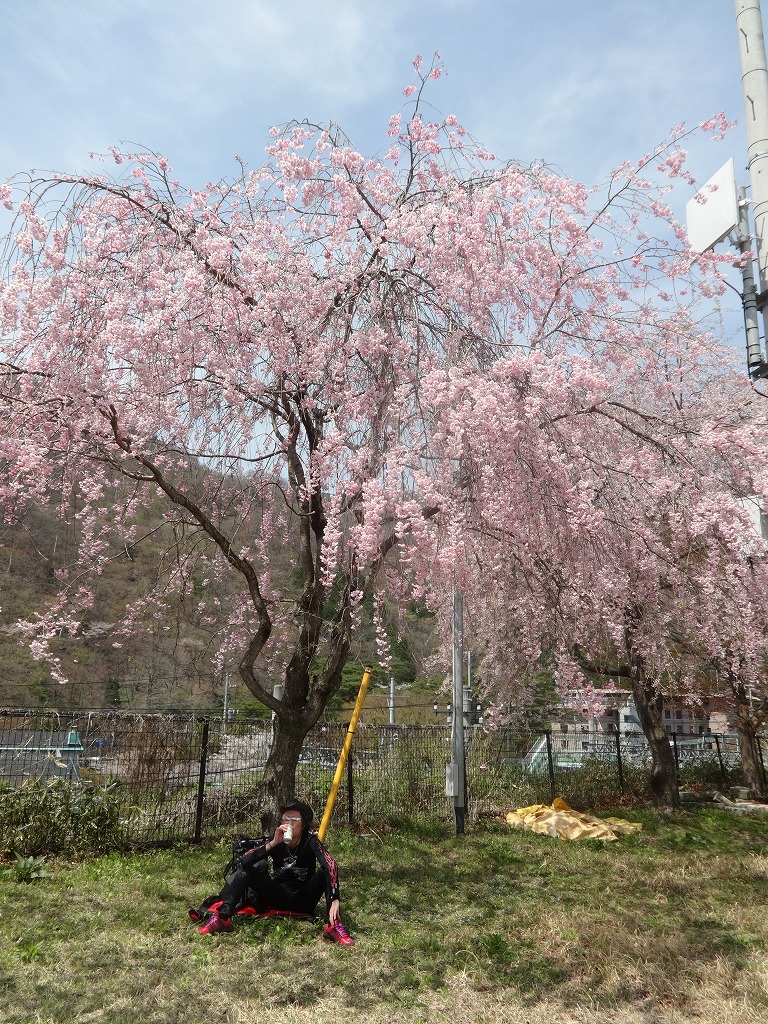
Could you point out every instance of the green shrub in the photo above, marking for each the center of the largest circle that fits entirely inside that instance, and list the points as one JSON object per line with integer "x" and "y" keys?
{"x": 702, "y": 769}
{"x": 59, "y": 817}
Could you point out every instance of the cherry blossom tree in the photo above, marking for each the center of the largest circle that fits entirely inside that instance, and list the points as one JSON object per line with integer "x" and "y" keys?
{"x": 604, "y": 533}
{"x": 738, "y": 659}
{"x": 420, "y": 370}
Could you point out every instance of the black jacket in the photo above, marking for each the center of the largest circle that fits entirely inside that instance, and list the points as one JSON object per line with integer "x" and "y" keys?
{"x": 294, "y": 868}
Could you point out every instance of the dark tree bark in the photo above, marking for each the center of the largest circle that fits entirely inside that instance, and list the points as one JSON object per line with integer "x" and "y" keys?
{"x": 748, "y": 723}
{"x": 649, "y": 702}
{"x": 663, "y": 785}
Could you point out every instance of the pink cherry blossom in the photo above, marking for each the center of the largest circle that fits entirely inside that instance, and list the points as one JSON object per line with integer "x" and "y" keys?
{"x": 450, "y": 373}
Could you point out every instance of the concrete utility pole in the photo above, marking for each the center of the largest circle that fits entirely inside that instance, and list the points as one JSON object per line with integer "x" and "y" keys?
{"x": 455, "y": 776}
{"x": 721, "y": 210}
{"x": 754, "y": 80}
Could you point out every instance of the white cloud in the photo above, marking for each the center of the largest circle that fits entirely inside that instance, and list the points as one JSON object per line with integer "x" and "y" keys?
{"x": 582, "y": 85}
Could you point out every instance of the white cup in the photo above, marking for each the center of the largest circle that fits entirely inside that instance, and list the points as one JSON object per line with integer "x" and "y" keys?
{"x": 288, "y": 833}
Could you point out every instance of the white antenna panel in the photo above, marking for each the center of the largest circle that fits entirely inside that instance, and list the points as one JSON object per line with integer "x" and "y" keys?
{"x": 714, "y": 211}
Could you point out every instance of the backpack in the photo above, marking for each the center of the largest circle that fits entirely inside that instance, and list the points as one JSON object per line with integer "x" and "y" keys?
{"x": 239, "y": 849}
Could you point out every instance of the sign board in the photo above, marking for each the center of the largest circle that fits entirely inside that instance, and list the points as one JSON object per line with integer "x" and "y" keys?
{"x": 756, "y": 540}
{"x": 714, "y": 211}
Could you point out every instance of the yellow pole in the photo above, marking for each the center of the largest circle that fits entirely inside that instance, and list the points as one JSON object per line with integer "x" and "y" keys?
{"x": 329, "y": 804}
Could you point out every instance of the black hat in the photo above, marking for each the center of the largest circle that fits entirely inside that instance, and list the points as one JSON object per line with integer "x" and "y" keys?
{"x": 304, "y": 810}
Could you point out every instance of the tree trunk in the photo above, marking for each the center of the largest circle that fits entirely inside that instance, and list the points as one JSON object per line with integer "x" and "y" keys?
{"x": 278, "y": 786}
{"x": 305, "y": 697}
{"x": 751, "y": 766}
{"x": 649, "y": 702}
{"x": 748, "y": 722}
{"x": 663, "y": 785}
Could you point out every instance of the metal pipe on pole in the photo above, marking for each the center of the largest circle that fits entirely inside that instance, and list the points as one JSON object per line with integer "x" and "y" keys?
{"x": 749, "y": 297}
{"x": 225, "y": 714}
{"x": 754, "y": 81}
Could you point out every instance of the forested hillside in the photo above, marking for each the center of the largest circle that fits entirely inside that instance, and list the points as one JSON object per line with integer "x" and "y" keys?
{"x": 169, "y": 666}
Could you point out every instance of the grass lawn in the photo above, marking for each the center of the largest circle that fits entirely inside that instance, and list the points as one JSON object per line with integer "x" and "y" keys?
{"x": 665, "y": 926}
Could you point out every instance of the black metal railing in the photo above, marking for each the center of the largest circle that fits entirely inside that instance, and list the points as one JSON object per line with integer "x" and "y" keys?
{"x": 155, "y": 778}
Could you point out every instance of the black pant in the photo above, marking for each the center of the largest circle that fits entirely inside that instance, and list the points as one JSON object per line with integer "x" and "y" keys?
{"x": 270, "y": 895}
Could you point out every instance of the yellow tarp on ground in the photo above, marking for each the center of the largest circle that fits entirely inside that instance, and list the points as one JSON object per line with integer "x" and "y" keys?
{"x": 561, "y": 822}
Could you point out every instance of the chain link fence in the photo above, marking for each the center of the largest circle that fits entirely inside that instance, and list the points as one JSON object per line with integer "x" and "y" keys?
{"x": 149, "y": 779}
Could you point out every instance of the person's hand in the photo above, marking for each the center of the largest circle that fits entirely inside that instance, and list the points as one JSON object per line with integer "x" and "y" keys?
{"x": 333, "y": 912}
{"x": 278, "y": 837}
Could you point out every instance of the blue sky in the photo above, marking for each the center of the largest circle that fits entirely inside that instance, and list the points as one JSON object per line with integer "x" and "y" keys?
{"x": 582, "y": 85}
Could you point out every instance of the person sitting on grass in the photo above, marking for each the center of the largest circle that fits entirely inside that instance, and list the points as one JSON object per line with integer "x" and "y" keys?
{"x": 294, "y": 885}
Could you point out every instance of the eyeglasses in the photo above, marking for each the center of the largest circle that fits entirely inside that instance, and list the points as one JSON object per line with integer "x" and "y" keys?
{"x": 287, "y": 818}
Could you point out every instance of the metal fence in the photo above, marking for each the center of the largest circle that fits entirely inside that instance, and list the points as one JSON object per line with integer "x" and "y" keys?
{"x": 172, "y": 778}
